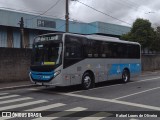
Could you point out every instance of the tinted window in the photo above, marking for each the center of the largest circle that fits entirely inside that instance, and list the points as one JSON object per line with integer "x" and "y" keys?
{"x": 134, "y": 51}
{"x": 88, "y": 49}
{"x": 92, "y": 49}
{"x": 73, "y": 50}
{"x": 96, "y": 49}
{"x": 102, "y": 49}
{"x": 105, "y": 50}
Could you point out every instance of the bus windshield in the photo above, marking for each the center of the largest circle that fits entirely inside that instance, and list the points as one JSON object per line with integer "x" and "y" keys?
{"x": 47, "y": 52}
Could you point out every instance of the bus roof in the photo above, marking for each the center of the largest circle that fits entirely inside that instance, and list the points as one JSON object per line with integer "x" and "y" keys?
{"x": 104, "y": 38}
{"x": 97, "y": 37}
{"x": 110, "y": 39}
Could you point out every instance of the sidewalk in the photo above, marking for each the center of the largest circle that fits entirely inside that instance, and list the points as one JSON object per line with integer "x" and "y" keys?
{"x": 150, "y": 72}
{"x": 14, "y": 85}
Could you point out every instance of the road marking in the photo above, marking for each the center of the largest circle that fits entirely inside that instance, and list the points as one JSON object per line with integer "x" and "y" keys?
{"x": 117, "y": 85}
{"x": 14, "y": 87}
{"x": 3, "y": 118}
{"x": 15, "y": 100}
{"x": 22, "y": 105}
{"x": 16, "y": 118}
{"x": 44, "y": 118}
{"x": 64, "y": 113}
{"x": 70, "y": 111}
{"x": 9, "y": 96}
{"x": 92, "y": 118}
{"x": 33, "y": 89}
{"x": 137, "y": 93}
{"x": 95, "y": 116}
{"x": 148, "y": 79}
{"x": 113, "y": 101}
{"x": 4, "y": 93}
{"x": 46, "y": 107}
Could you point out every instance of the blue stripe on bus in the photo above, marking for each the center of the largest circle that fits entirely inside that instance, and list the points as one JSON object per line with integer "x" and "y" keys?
{"x": 43, "y": 73}
{"x": 116, "y": 69}
{"x": 46, "y": 76}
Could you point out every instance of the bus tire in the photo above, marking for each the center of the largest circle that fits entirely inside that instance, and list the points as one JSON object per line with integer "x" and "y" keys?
{"x": 87, "y": 81}
{"x": 125, "y": 76}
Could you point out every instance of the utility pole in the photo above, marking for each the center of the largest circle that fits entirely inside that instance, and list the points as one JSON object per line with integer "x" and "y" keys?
{"x": 67, "y": 16}
{"x": 21, "y": 23}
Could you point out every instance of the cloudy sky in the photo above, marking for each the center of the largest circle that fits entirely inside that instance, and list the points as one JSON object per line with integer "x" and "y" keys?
{"x": 123, "y": 12}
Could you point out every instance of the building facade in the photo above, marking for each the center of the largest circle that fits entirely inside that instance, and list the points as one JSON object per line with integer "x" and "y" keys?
{"x": 35, "y": 25}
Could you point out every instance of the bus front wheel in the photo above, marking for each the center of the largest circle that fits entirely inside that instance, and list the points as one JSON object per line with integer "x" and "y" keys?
{"x": 87, "y": 81}
{"x": 125, "y": 76}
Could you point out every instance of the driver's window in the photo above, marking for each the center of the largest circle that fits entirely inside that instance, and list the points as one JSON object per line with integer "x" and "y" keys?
{"x": 73, "y": 47}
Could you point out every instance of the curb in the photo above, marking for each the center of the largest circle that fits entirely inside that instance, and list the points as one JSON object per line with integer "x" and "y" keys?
{"x": 18, "y": 87}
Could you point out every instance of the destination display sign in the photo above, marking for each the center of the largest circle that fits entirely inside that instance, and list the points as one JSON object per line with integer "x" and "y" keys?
{"x": 48, "y": 38}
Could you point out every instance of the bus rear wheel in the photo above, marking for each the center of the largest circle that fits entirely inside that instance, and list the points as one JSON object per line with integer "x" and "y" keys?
{"x": 125, "y": 76}
{"x": 87, "y": 81}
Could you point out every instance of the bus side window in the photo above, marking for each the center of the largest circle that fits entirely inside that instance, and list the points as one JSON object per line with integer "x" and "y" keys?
{"x": 92, "y": 49}
{"x": 114, "y": 50}
{"x": 124, "y": 51}
{"x": 87, "y": 48}
{"x": 73, "y": 50}
{"x": 95, "y": 49}
{"x": 73, "y": 47}
{"x": 105, "y": 51}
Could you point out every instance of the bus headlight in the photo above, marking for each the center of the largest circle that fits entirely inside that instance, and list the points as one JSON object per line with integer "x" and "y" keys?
{"x": 57, "y": 73}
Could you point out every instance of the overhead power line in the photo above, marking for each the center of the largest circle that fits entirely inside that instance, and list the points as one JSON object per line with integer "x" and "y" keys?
{"x": 36, "y": 13}
{"x": 18, "y": 10}
{"x": 132, "y": 5}
{"x": 46, "y": 10}
{"x": 103, "y": 13}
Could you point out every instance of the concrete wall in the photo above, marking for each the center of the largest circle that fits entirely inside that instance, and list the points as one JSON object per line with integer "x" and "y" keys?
{"x": 14, "y": 64}
{"x": 150, "y": 62}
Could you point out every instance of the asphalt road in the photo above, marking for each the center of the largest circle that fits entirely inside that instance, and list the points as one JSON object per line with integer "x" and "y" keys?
{"x": 136, "y": 100}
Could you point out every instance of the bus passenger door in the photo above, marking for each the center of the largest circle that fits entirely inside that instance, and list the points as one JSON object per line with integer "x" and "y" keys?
{"x": 72, "y": 56}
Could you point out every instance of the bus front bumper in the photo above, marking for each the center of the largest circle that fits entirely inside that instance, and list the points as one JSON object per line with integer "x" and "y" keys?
{"x": 43, "y": 78}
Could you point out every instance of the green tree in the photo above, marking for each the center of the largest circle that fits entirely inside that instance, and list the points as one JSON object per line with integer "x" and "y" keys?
{"x": 156, "y": 43}
{"x": 141, "y": 32}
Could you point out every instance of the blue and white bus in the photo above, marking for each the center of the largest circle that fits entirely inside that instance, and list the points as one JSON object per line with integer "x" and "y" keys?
{"x": 64, "y": 59}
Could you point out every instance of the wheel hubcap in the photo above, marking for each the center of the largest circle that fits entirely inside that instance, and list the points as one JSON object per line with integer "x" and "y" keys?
{"x": 87, "y": 81}
{"x": 125, "y": 77}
